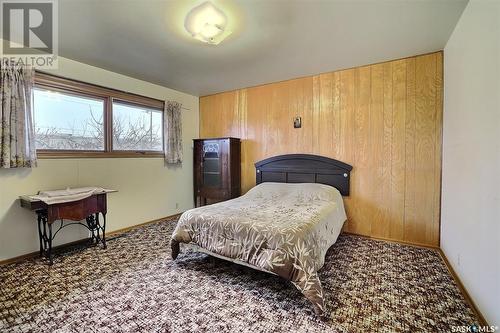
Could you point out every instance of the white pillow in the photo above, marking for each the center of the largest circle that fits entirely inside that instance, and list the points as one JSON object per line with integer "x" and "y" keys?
{"x": 305, "y": 191}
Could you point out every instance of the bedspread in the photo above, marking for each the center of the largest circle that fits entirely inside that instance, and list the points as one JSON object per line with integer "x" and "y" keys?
{"x": 281, "y": 228}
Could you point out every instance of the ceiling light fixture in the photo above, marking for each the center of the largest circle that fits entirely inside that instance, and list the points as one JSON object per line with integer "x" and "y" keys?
{"x": 207, "y": 23}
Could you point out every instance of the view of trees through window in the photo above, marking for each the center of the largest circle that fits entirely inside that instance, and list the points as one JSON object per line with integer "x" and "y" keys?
{"x": 75, "y": 122}
{"x": 136, "y": 128}
{"x": 67, "y": 122}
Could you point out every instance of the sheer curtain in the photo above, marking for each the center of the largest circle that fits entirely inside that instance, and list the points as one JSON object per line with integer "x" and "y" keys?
{"x": 17, "y": 141}
{"x": 172, "y": 132}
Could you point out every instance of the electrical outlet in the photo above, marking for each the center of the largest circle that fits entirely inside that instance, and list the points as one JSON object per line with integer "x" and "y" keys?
{"x": 176, "y": 205}
{"x": 458, "y": 260}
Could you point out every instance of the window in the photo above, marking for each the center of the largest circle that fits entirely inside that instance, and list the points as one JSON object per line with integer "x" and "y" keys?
{"x": 68, "y": 122}
{"x": 75, "y": 119}
{"x": 137, "y": 128}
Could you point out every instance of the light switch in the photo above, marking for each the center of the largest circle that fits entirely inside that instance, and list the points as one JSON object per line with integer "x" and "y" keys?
{"x": 297, "y": 122}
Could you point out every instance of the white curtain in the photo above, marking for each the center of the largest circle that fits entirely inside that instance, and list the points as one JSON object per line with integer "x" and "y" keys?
{"x": 17, "y": 141}
{"x": 172, "y": 132}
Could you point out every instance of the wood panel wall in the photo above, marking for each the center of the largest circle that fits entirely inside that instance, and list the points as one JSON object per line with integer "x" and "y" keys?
{"x": 383, "y": 119}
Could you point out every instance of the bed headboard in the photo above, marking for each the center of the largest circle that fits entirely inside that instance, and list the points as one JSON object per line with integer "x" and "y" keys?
{"x": 304, "y": 168}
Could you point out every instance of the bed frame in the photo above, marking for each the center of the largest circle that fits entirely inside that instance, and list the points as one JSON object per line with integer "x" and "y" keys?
{"x": 304, "y": 168}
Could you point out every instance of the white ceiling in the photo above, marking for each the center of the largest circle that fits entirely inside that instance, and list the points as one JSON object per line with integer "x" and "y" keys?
{"x": 272, "y": 40}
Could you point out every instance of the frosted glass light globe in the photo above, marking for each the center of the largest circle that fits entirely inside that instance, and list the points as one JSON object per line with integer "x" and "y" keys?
{"x": 207, "y": 23}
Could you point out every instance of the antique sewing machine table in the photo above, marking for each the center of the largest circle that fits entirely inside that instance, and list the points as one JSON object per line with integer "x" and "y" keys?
{"x": 88, "y": 209}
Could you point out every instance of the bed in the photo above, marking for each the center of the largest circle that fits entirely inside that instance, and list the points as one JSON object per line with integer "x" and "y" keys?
{"x": 284, "y": 225}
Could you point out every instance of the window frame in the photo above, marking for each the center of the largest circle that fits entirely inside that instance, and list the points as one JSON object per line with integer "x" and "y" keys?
{"x": 108, "y": 95}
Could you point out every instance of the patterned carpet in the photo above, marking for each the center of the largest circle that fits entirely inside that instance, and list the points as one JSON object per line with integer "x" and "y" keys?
{"x": 134, "y": 286}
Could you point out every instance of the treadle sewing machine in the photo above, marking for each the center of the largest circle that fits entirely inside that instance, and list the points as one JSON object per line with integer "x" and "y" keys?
{"x": 88, "y": 209}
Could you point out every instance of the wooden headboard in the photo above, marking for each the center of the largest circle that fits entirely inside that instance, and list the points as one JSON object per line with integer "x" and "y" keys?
{"x": 304, "y": 168}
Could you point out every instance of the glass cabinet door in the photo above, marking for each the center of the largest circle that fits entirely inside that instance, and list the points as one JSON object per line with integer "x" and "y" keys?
{"x": 211, "y": 168}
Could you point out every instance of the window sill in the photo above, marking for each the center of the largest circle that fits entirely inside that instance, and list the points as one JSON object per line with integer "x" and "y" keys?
{"x": 97, "y": 154}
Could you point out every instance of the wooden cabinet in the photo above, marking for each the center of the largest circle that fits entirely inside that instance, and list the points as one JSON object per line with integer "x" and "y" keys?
{"x": 217, "y": 173}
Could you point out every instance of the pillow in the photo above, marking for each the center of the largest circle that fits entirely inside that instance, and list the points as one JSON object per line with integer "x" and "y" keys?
{"x": 305, "y": 191}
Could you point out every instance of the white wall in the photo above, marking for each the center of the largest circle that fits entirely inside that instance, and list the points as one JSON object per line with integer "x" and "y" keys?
{"x": 470, "y": 216}
{"x": 147, "y": 189}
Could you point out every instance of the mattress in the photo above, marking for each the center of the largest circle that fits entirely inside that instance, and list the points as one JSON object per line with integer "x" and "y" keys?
{"x": 281, "y": 228}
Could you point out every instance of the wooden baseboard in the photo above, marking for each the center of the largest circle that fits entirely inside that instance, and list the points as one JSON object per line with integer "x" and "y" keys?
{"x": 108, "y": 234}
{"x": 468, "y": 299}
{"x": 394, "y": 241}
{"x": 135, "y": 226}
{"x": 37, "y": 253}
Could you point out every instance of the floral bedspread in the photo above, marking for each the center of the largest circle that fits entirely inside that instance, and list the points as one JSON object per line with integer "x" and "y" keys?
{"x": 281, "y": 228}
